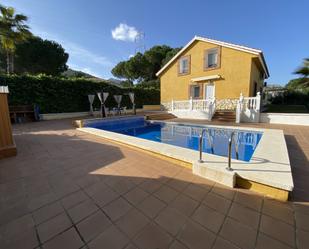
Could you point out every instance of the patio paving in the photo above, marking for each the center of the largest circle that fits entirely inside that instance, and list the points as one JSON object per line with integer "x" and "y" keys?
{"x": 67, "y": 189}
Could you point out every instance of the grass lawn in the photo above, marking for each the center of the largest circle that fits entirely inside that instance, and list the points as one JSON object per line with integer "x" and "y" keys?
{"x": 287, "y": 108}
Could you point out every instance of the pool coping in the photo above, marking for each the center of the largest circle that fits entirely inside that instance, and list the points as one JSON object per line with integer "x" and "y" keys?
{"x": 269, "y": 165}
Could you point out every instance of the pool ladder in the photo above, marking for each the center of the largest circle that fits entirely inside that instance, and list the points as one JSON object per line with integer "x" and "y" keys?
{"x": 231, "y": 139}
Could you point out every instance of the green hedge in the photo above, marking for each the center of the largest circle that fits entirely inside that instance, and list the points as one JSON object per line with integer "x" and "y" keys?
{"x": 292, "y": 97}
{"x": 55, "y": 95}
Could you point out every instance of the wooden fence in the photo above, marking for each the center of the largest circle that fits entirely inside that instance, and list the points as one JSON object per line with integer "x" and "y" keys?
{"x": 7, "y": 144}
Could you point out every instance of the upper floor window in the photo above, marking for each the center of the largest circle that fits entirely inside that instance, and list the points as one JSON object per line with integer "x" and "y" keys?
{"x": 184, "y": 65}
{"x": 212, "y": 58}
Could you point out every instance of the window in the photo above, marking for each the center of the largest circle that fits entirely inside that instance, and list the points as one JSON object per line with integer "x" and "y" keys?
{"x": 184, "y": 65}
{"x": 195, "y": 92}
{"x": 212, "y": 58}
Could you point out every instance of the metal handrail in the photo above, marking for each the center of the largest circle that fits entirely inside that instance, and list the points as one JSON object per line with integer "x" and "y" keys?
{"x": 201, "y": 144}
{"x": 230, "y": 151}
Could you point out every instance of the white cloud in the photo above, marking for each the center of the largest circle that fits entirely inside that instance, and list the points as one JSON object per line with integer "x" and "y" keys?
{"x": 123, "y": 32}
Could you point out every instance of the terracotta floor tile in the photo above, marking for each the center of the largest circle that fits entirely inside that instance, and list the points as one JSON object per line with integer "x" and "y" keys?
{"x": 151, "y": 206}
{"x": 302, "y": 221}
{"x": 40, "y": 201}
{"x": 250, "y": 200}
{"x": 70, "y": 239}
{"x": 106, "y": 196}
{"x": 96, "y": 188}
{"x": 301, "y": 208}
{"x": 93, "y": 225}
{"x": 208, "y": 218}
{"x": 223, "y": 244}
{"x": 278, "y": 210}
{"x": 177, "y": 245}
{"x": 302, "y": 239}
{"x": 111, "y": 238}
{"x": 56, "y": 161}
{"x": 74, "y": 199}
{"x": 136, "y": 195}
{"x": 266, "y": 242}
{"x": 195, "y": 192}
{"x": 150, "y": 185}
{"x": 166, "y": 194}
{"x": 117, "y": 208}
{"x": 122, "y": 186}
{"x": 244, "y": 215}
{"x": 130, "y": 246}
{"x": 278, "y": 230}
{"x": 47, "y": 212}
{"x": 54, "y": 226}
{"x": 171, "y": 220}
{"x": 82, "y": 210}
{"x": 177, "y": 184}
{"x": 25, "y": 240}
{"x": 195, "y": 236}
{"x": 239, "y": 234}
{"x": 17, "y": 227}
{"x": 152, "y": 237}
{"x": 217, "y": 203}
{"x": 224, "y": 191}
{"x": 132, "y": 222}
{"x": 184, "y": 204}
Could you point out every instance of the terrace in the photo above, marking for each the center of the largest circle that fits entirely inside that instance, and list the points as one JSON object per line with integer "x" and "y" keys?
{"x": 68, "y": 189}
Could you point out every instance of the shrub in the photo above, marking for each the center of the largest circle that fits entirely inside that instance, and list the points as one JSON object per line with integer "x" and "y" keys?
{"x": 293, "y": 97}
{"x": 55, "y": 94}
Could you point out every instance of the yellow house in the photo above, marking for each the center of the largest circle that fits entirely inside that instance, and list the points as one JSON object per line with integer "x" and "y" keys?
{"x": 206, "y": 69}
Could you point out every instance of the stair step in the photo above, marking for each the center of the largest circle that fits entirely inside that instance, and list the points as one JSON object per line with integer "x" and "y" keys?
{"x": 224, "y": 116}
{"x": 162, "y": 116}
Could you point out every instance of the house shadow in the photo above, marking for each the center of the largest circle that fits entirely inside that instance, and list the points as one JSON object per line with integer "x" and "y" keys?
{"x": 300, "y": 170}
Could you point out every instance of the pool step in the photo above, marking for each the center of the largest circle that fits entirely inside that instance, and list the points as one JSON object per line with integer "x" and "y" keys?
{"x": 224, "y": 116}
{"x": 160, "y": 116}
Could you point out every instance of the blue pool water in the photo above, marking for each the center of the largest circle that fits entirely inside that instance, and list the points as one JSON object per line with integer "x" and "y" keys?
{"x": 184, "y": 135}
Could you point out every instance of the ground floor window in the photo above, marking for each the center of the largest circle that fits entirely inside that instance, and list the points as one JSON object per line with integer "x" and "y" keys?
{"x": 195, "y": 92}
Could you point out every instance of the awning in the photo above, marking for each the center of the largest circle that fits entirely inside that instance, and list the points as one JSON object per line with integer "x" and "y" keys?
{"x": 210, "y": 77}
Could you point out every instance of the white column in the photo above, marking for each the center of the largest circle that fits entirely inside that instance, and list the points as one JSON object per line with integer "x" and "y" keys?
{"x": 191, "y": 103}
{"x": 172, "y": 105}
{"x": 258, "y": 102}
{"x": 239, "y": 108}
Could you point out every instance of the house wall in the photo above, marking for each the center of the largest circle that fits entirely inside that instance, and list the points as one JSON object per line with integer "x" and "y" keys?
{"x": 255, "y": 77}
{"x": 235, "y": 71}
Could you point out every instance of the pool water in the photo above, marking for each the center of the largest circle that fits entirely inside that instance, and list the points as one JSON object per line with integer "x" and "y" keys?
{"x": 215, "y": 140}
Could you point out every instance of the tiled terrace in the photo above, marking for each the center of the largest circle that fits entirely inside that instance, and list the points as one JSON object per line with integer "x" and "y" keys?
{"x": 66, "y": 189}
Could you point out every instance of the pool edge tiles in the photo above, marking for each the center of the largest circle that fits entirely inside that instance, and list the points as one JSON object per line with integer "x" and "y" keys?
{"x": 269, "y": 165}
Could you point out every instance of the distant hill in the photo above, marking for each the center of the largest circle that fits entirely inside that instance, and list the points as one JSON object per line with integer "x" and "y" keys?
{"x": 115, "y": 81}
{"x": 70, "y": 73}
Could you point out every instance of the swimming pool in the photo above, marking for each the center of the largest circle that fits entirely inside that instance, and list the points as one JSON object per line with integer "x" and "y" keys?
{"x": 215, "y": 140}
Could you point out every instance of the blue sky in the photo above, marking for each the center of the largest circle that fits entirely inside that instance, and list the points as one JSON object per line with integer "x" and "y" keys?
{"x": 84, "y": 28}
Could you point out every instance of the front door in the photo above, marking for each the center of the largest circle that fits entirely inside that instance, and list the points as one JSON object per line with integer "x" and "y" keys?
{"x": 209, "y": 91}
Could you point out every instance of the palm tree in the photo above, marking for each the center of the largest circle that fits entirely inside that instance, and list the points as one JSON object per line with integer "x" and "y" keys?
{"x": 13, "y": 30}
{"x": 304, "y": 72}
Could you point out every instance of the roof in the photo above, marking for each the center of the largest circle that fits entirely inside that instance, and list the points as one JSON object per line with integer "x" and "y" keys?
{"x": 254, "y": 51}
